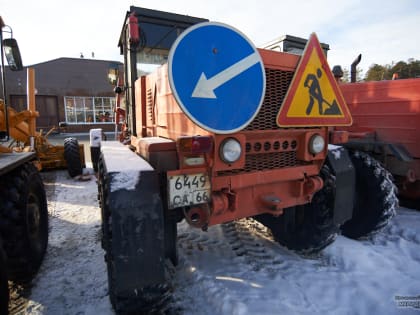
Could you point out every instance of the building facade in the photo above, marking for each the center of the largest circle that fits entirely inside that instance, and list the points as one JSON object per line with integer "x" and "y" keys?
{"x": 68, "y": 90}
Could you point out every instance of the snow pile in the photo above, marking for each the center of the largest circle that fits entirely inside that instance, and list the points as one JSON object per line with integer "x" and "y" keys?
{"x": 124, "y": 180}
{"x": 335, "y": 150}
{"x": 234, "y": 268}
{"x": 124, "y": 165}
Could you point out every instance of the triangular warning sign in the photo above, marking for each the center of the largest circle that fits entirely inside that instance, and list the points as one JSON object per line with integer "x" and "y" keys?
{"x": 313, "y": 98}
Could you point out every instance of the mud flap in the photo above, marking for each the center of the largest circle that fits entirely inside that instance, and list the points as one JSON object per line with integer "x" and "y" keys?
{"x": 340, "y": 163}
{"x": 137, "y": 222}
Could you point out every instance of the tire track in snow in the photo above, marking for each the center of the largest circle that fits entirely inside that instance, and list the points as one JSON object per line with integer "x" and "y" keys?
{"x": 208, "y": 296}
{"x": 253, "y": 241}
{"x": 218, "y": 263}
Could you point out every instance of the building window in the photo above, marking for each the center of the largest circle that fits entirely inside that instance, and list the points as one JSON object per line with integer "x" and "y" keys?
{"x": 89, "y": 110}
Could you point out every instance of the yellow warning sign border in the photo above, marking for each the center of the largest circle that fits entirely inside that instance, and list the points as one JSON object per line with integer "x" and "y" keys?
{"x": 284, "y": 121}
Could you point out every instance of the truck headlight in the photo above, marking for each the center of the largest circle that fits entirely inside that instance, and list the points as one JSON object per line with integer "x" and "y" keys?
{"x": 316, "y": 144}
{"x": 230, "y": 150}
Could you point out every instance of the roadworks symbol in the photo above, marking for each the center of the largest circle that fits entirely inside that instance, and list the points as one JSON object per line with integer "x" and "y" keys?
{"x": 314, "y": 98}
{"x": 315, "y": 95}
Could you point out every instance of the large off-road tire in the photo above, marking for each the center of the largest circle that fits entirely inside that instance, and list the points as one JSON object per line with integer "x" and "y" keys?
{"x": 310, "y": 228}
{"x": 171, "y": 235}
{"x": 375, "y": 197}
{"x": 171, "y": 218}
{"x": 4, "y": 287}
{"x": 72, "y": 157}
{"x": 23, "y": 221}
{"x": 106, "y": 229}
{"x": 148, "y": 299}
{"x": 103, "y": 186}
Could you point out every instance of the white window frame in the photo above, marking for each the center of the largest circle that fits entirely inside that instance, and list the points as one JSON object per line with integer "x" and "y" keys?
{"x": 81, "y": 111}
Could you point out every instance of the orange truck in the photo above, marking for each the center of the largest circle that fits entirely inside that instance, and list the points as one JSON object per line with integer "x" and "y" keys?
{"x": 386, "y": 125}
{"x": 217, "y": 130}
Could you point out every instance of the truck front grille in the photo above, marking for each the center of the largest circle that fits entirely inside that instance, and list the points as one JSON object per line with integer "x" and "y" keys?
{"x": 265, "y": 162}
{"x": 277, "y": 84}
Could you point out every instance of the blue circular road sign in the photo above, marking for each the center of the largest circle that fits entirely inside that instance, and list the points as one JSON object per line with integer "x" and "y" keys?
{"x": 217, "y": 77}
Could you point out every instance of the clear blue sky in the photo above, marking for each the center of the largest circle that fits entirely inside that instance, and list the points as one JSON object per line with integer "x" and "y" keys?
{"x": 384, "y": 31}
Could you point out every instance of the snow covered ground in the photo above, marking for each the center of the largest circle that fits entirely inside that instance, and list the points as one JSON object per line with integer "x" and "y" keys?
{"x": 234, "y": 268}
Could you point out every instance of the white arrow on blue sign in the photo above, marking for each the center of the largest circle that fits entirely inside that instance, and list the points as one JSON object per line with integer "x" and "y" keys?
{"x": 217, "y": 77}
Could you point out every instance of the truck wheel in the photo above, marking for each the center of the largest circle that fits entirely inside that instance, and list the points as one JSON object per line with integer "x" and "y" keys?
{"x": 375, "y": 198}
{"x": 119, "y": 259}
{"x": 4, "y": 287}
{"x": 23, "y": 221}
{"x": 106, "y": 239}
{"x": 72, "y": 157}
{"x": 102, "y": 186}
{"x": 171, "y": 234}
{"x": 309, "y": 228}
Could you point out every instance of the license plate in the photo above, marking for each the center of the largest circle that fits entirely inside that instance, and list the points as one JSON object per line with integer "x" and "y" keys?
{"x": 188, "y": 189}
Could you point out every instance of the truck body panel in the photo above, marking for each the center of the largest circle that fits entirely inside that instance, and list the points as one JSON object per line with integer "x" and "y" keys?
{"x": 9, "y": 161}
{"x": 390, "y": 108}
{"x": 386, "y": 117}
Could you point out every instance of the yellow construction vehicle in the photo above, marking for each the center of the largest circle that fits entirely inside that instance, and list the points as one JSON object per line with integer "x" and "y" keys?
{"x": 23, "y": 137}
{"x": 23, "y": 203}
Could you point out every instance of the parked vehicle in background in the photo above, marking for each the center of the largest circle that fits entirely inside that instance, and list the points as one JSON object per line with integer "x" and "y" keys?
{"x": 386, "y": 125}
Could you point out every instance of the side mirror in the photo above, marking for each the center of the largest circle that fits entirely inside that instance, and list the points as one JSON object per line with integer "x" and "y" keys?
{"x": 118, "y": 90}
{"x": 11, "y": 50}
{"x": 113, "y": 74}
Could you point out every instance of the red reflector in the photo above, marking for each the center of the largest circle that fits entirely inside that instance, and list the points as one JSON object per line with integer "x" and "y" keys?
{"x": 197, "y": 144}
{"x": 133, "y": 29}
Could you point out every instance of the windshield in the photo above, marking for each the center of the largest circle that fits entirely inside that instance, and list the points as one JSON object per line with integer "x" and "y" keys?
{"x": 149, "y": 59}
